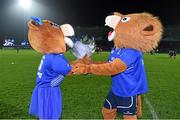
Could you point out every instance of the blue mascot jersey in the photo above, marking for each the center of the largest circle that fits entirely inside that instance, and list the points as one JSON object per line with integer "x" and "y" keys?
{"x": 133, "y": 80}
{"x": 46, "y": 100}
{"x": 50, "y": 67}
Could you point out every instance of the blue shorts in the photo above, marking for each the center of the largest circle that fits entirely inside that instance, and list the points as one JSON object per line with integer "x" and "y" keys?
{"x": 124, "y": 105}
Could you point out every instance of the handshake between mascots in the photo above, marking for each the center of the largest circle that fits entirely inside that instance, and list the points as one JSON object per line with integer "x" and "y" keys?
{"x": 132, "y": 35}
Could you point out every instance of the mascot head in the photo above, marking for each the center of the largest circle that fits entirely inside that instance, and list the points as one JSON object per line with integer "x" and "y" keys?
{"x": 48, "y": 37}
{"x": 141, "y": 31}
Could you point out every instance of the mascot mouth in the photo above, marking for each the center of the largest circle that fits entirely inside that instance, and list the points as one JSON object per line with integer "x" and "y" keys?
{"x": 68, "y": 31}
{"x": 69, "y": 42}
{"x": 111, "y": 35}
{"x": 112, "y": 21}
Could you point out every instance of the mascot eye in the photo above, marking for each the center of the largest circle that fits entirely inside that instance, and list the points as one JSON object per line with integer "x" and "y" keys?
{"x": 55, "y": 25}
{"x": 125, "y": 19}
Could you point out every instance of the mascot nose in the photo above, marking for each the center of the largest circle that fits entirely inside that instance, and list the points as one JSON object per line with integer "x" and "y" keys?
{"x": 36, "y": 20}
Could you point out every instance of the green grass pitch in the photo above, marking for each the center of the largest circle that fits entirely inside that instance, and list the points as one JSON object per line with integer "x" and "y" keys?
{"x": 83, "y": 96}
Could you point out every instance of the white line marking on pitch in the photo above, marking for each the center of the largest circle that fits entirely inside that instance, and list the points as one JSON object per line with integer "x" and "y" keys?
{"x": 151, "y": 109}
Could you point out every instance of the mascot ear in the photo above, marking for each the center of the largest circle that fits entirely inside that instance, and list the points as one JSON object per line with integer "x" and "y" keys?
{"x": 33, "y": 25}
{"x": 112, "y": 21}
{"x": 67, "y": 30}
{"x": 148, "y": 30}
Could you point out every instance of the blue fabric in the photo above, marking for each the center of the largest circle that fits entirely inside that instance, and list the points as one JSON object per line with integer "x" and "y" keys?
{"x": 37, "y": 20}
{"x": 46, "y": 101}
{"x": 124, "y": 105}
{"x": 57, "y": 81}
{"x": 133, "y": 80}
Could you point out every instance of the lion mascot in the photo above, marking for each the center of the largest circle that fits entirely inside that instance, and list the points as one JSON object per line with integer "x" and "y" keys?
{"x": 132, "y": 35}
{"x": 49, "y": 39}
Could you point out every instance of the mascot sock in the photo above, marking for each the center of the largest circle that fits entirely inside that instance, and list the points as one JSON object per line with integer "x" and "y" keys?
{"x": 129, "y": 117}
{"x": 139, "y": 107}
{"x": 109, "y": 113}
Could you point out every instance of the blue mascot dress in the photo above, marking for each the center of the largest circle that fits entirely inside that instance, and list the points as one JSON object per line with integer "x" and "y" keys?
{"x": 46, "y": 101}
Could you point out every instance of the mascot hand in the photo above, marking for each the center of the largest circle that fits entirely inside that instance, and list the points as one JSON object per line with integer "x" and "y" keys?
{"x": 57, "y": 81}
{"x": 85, "y": 60}
{"x": 81, "y": 69}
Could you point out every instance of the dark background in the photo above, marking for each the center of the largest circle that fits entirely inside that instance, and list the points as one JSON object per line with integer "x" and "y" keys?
{"x": 92, "y": 12}
{"x": 83, "y": 13}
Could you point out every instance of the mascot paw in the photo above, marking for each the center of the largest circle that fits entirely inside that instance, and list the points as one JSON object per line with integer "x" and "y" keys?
{"x": 85, "y": 60}
{"x": 81, "y": 69}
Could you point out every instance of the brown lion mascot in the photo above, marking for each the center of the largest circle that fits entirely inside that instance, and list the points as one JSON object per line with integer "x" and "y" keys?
{"x": 132, "y": 35}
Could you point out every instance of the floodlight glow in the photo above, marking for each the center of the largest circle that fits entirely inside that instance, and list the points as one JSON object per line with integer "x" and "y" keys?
{"x": 25, "y": 3}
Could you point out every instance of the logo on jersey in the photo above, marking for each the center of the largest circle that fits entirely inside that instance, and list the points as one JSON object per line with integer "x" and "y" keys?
{"x": 39, "y": 74}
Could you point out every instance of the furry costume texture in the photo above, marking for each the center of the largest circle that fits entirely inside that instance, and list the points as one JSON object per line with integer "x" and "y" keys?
{"x": 49, "y": 39}
{"x": 139, "y": 31}
{"x": 46, "y": 39}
